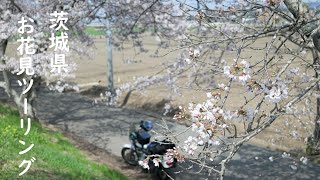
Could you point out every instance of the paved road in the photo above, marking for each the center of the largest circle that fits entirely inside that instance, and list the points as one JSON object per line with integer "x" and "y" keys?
{"x": 108, "y": 127}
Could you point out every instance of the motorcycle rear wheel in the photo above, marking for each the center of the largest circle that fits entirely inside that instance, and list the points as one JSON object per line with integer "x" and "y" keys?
{"x": 129, "y": 156}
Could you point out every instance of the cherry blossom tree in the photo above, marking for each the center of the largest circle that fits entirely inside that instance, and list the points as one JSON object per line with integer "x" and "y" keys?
{"x": 39, "y": 13}
{"x": 124, "y": 15}
{"x": 278, "y": 78}
{"x": 219, "y": 53}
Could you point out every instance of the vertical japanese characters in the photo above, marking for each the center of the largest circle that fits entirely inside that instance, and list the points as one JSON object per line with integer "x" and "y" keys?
{"x": 59, "y": 41}
{"x": 26, "y": 50}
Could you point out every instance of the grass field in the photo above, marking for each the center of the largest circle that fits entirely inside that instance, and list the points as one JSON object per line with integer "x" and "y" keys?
{"x": 96, "y": 32}
{"x": 56, "y": 157}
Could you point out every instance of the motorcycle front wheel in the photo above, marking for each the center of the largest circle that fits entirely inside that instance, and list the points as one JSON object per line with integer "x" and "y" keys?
{"x": 129, "y": 156}
{"x": 162, "y": 174}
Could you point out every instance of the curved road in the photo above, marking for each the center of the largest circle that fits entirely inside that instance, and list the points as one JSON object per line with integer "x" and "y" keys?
{"x": 108, "y": 127}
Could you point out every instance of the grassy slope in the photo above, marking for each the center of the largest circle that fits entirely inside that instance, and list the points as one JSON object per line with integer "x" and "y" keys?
{"x": 56, "y": 157}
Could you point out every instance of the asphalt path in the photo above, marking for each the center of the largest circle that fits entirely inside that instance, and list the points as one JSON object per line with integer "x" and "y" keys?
{"x": 108, "y": 127}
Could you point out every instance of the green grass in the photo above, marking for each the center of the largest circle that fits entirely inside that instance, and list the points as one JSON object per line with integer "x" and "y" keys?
{"x": 56, "y": 157}
{"x": 92, "y": 31}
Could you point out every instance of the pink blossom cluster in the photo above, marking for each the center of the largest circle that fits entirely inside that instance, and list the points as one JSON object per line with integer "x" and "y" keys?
{"x": 239, "y": 71}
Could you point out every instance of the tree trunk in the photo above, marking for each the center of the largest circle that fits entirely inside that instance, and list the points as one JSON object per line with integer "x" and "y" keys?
{"x": 314, "y": 141}
{"x": 17, "y": 98}
{"x": 298, "y": 10}
{"x": 316, "y": 131}
{"x": 3, "y": 47}
{"x": 32, "y": 96}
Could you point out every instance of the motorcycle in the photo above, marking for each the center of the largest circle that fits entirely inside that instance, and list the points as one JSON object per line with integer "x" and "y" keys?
{"x": 139, "y": 149}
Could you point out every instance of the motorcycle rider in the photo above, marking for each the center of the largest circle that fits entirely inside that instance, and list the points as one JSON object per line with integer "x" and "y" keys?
{"x": 142, "y": 136}
{"x": 141, "y": 148}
